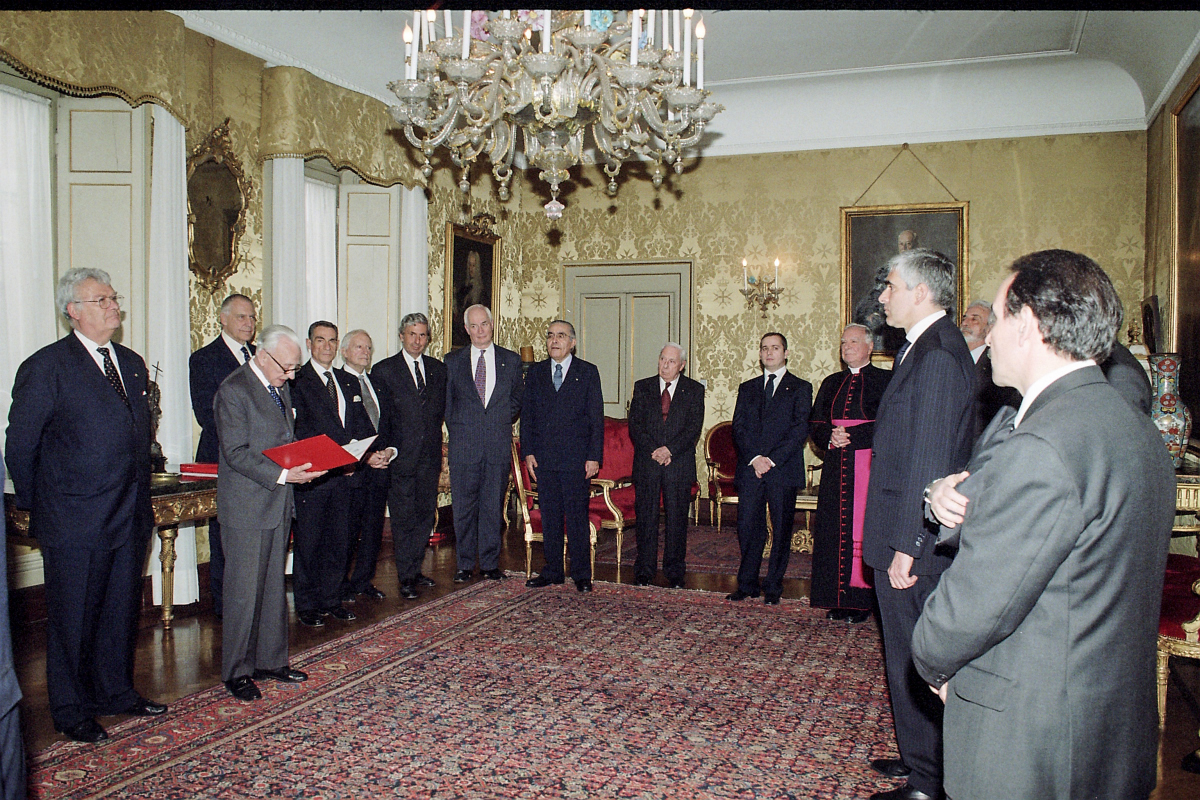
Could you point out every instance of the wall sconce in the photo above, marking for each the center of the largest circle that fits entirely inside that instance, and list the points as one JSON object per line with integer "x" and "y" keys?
{"x": 758, "y": 291}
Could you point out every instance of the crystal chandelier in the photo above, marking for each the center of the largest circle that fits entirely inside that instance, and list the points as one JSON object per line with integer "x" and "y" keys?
{"x": 590, "y": 83}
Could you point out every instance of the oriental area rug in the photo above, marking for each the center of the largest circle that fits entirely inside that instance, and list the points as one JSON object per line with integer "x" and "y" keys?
{"x": 499, "y": 691}
{"x": 710, "y": 551}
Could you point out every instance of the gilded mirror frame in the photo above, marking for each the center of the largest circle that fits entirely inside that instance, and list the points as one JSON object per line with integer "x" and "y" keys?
{"x": 216, "y": 149}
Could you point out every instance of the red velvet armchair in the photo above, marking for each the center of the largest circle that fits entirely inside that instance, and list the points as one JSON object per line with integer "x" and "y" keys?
{"x": 612, "y": 499}
{"x": 1179, "y": 619}
{"x": 531, "y": 515}
{"x": 721, "y": 457}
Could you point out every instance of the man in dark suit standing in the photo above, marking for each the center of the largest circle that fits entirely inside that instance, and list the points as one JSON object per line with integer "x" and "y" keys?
{"x": 79, "y": 457}
{"x": 327, "y": 401}
{"x": 207, "y": 367}
{"x": 368, "y": 499}
{"x": 562, "y": 440}
{"x": 413, "y": 406}
{"x": 770, "y": 427}
{"x": 483, "y": 400}
{"x": 253, "y": 410}
{"x": 1041, "y": 636}
{"x": 924, "y": 429}
{"x": 666, "y": 416}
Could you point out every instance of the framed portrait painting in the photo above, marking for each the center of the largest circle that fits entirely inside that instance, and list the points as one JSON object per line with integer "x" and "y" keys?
{"x": 871, "y": 235}
{"x": 472, "y": 276}
{"x": 1183, "y": 334}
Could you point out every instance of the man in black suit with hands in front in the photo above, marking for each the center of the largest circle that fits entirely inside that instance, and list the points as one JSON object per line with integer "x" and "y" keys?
{"x": 413, "y": 391}
{"x": 770, "y": 427}
{"x": 665, "y": 419}
{"x": 207, "y": 368}
{"x": 924, "y": 429}
{"x": 79, "y": 457}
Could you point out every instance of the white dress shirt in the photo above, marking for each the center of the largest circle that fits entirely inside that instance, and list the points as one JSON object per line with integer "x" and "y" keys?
{"x": 670, "y": 387}
{"x": 489, "y": 360}
{"x": 920, "y": 328}
{"x": 235, "y": 347}
{"x": 93, "y": 349}
{"x": 1041, "y": 383}
{"x": 566, "y": 366}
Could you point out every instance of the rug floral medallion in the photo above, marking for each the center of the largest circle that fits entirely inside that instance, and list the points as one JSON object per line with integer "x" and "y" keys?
{"x": 499, "y": 691}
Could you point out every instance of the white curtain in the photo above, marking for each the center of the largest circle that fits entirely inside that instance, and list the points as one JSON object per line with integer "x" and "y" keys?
{"x": 320, "y": 250}
{"x": 414, "y": 252}
{"x": 168, "y": 348}
{"x": 285, "y": 229}
{"x": 26, "y": 235}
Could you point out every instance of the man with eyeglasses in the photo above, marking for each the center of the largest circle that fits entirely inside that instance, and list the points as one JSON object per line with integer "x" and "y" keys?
{"x": 253, "y": 411}
{"x": 79, "y": 456}
{"x": 207, "y": 367}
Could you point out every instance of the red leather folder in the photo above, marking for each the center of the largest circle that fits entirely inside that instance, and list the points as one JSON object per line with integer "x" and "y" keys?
{"x": 321, "y": 451}
{"x": 199, "y": 470}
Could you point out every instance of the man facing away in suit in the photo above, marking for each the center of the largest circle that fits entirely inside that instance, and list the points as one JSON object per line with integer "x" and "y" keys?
{"x": 483, "y": 400}
{"x": 207, "y": 367}
{"x": 253, "y": 410}
{"x": 770, "y": 427}
{"x": 412, "y": 391}
{"x": 666, "y": 416}
{"x": 562, "y": 440}
{"x": 79, "y": 458}
{"x": 1041, "y": 636}
{"x": 367, "y": 499}
{"x": 924, "y": 429}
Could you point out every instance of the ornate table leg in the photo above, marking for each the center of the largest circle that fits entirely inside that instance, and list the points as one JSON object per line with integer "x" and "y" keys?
{"x": 166, "y": 555}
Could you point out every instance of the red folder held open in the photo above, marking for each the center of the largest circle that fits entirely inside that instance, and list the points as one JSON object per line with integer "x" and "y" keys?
{"x": 324, "y": 453}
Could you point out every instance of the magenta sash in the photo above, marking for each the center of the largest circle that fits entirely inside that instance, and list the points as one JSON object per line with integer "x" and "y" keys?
{"x": 862, "y": 473}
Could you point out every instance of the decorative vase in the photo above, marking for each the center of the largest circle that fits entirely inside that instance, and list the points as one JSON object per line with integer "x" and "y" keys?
{"x": 1169, "y": 414}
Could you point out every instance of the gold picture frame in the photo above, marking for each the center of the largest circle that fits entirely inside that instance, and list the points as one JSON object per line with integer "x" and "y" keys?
{"x": 871, "y": 236}
{"x": 472, "y": 275}
{"x": 218, "y": 193}
{"x": 1181, "y": 335}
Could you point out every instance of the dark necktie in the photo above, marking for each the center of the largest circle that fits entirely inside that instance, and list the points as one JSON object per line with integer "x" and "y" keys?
{"x": 110, "y": 372}
{"x": 329, "y": 387}
{"x": 900, "y": 353}
{"x": 557, "y": 377}
{"x": 278, "y": 400}
{"x": 369, "y": 401}
{"x": 420, "y": 379}
{"x": 245, "y": 354}
{"x": 770, "y": 390}
{"x": 666, "y": 400}
{"x": 481, "y": 379}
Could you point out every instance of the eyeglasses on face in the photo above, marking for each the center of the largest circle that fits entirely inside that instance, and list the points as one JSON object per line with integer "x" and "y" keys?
{"x": 286, "y": 370}
{"x": 106, "y": 302}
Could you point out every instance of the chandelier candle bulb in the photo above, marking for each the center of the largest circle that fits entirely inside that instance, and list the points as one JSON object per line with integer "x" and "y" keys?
{"x": 666, "y": 29}
{"x": 466, "y": 36}
{"x": 430, "y": 25}
{"x": 546, "y": 31}
{"x": 777, "y": 272}
{"x": 449, "y": 24}
{"x": 687, "y": 47}
{"x": 408, "y": 53}
{"x": 678, "y": 18}
{"x": 700, "y": 54}
{"x": 587, "y": 18}
{"x": 637, "y": 34}
{"x": 650, "y": 30}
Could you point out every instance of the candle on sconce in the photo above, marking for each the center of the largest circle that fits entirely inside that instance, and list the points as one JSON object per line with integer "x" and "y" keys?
{"x": 546, "y": 31}
{"x": 507, "y": 14}
{"x": 700, "y": 54}
{"x": 637, "y": 35}
{"x": 650, "y": 30}
{"x": 587, "y": 18}
{"x": 466, "y": 51}
{"x": 666, "y": 29}
{"x": 678, "y": 20}
{"x": 687, "y": 47}
{"x": 430, "y": 25}
{"x": 408, "y": 52}
{"x": 777, "y": 272}
{"x": 745, "y": 276}
{"x": 449, "y": 25}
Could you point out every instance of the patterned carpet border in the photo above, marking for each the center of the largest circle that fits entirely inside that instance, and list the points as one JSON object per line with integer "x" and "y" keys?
{"x": 709, "y": 551}
{"x": 500, "y": 691}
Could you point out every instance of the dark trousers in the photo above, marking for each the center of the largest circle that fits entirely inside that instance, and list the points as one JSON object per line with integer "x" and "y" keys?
{"x": 755, "y": 495}
{"x": 321, "y": 546}
{"x": 364, "y": 526}
{"x": 254, "y": 633}
{"x": 478, "y": 496}
{"x": 216, "y": 566}
{"x": 412, "y": 501}
{"x": 563, "y": 499}
{"x": 676, "y": 495}
{"x": 12, "y": 756}
{"x": 917, "y": 711}
{"x": 92, "y": 603}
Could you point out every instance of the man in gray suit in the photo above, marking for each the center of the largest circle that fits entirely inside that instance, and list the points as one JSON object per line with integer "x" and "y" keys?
{"x": 254, "y": 413}
{"x": 483, "y": 400}
{"x": 1040, "y": 637}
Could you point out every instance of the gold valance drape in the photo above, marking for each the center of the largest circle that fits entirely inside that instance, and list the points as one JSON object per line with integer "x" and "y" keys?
{"x": 303, "y": 115}
{"x": 134, "y": 55}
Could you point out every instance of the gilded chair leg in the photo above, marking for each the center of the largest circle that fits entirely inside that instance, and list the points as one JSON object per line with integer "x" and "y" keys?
{"x": 528, "y": 559}
{"x": 1163, "y": 672}
{"x": 620, "y": 540}
{"x": 719, "y": 509}
{"x": 592, "y": 533}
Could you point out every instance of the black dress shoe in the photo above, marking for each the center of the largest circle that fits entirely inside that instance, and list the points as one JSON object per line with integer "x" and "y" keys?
{"x": 344, "y": 614}
{"x": 462, "y": 576}
{"x": 349, "y": 597}
{"x": 583, "y": 584}
{"x": 145, "y": 708}
{"x": 310, "y": 618}
{"x": 283, "y": 675}
{"x": 770, "y": 599}
{"x": 422, "y": 580}
{"x": 540, "y": 580}
{"x": 642, "y": 581}
{"x": 1191, "y": 762}
{"x": 493, "y": 574}
{"x": 858, "y": 617}
{"x": 676, "y": 585}
{"x": 837, "y": 614}
{"x": 373, "y": 593}
{"x": 243, "y": 689}
{"x": 891, "y": 767}
{"x": 408, "y": 592}
{"x": 87, "y": 731}
{"x": 905, "y": 792}
{"x": 739, "y": 595}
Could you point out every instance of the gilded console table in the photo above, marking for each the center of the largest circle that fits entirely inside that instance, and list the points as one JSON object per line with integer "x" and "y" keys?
{"x": 174, "y": 501}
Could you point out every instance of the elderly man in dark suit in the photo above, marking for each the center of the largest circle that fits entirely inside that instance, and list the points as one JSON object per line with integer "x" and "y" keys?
{"x": 483, "y": 400}
{"x": 770, "y": 427}
{"x": 253, "y": 409}
{"x": 562, "y": 440}
{"x": 1040, "y": 637}
{"x": 207, "y": 367}
{"x": 413, "y": 388}
{"x": 924, "y": 429}
{"x": 666, "y": 416}
{"x": 79, "y": 457}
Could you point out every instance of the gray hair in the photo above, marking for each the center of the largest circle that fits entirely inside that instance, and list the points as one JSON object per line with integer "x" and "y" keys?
{"x": 228, "y": 301}
{"x": 930, "y": 268}
{"x": 984, "y": 304}
{"x": 467, "y": 321}
{"x": 677, "y": 346}
{"x": 68, "y": 286}
{"x": 272, "y": 335}
{"x": 348, "y": 339}
{"x": 570, "y": 327}
{"x": 416, "y": 318}
{"x": 859, "y": 325}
